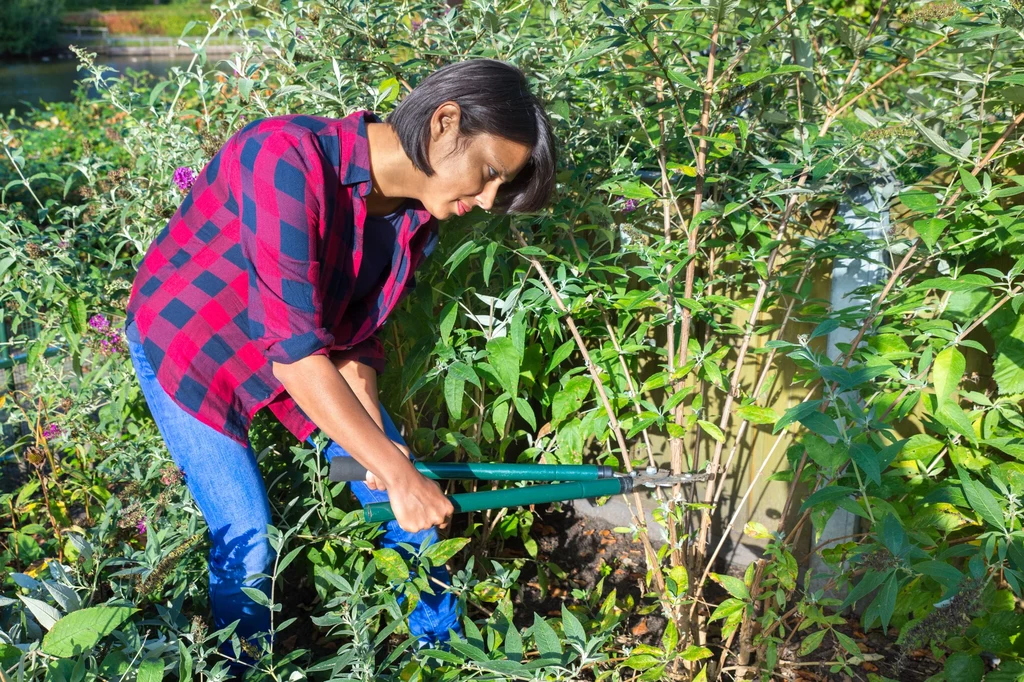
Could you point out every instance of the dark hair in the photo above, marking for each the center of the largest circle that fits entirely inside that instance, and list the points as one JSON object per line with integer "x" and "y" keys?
{"x": 494, "y": 98}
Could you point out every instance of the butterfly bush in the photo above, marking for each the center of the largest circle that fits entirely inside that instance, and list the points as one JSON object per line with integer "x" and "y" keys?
{"x": 698, "y": 334}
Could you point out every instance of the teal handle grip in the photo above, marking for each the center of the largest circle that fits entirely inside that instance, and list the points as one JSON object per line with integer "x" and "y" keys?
{"x": 380, "y": 512}
{"x": 348, "y": 469}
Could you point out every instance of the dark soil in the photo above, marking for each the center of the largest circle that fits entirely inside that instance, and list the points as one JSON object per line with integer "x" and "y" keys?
{"x": 879, "y": 651}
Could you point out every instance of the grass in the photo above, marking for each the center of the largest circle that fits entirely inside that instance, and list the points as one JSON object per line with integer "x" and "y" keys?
{"x": 151, "y": 20}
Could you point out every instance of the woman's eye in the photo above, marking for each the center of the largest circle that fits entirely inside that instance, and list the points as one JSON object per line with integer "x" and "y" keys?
{"x": 494, "y": 173}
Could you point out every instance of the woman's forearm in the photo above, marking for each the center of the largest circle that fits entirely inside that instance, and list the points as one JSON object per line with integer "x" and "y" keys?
{"x": 324, "y": 394}
{"x": 362, "y": 379}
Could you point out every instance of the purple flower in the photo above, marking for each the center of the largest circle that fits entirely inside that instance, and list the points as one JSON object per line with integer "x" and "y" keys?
{"x": 52, "y": 430}
{"x": 299, "y": 35}
{"x": 416, "y": 24}
{"x": 630, "y": 206}
{"x": 184, "y": 178}
{"x": 141, "y": 526}
{"x": 99, "y": 322}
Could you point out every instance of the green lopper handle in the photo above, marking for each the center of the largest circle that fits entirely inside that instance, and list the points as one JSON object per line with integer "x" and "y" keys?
{"x": 348, "y": 469}
{"x": 379, "y": 512}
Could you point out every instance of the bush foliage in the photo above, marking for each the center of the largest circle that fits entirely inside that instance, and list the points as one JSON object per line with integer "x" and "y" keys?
{"x": 709, "y": 149}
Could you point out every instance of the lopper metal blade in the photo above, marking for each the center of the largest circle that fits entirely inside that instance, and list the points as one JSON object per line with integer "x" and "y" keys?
{"x": 652, "y": 477}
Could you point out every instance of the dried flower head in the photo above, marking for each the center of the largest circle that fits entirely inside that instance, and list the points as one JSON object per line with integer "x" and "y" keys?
{"x": 66, "y": 404}
{"x": 210, "y": 144}
{"x": 249, "y": 648}
{"x": 35, "y": 455}
{"x": 888, "y": 133}
{"x": 945, "y": 622}
{"x": 184, "y": 178}
{"x": 116, "y": 177}
{"x": 112, "y": 134}
{"x": 937, "y": 11}
{"x": 171, "y": 475}
{"x": 131, "y": 515}
{"x": 12, "y": 305}
{"x": 881, "y": 560}
{"x": 198, "y": 628}
{"x": 157, "y": 576}
{"x": 33, "y": 251}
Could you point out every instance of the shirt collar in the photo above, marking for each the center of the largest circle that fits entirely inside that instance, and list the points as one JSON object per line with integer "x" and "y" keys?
{"x": 357, "y": 162}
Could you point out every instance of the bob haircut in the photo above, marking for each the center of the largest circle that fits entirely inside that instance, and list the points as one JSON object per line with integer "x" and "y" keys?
{"x": 494, "y": 98}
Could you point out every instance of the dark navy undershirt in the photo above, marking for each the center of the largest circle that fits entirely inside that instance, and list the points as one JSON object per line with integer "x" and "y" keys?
{"x": 380, "y": 239}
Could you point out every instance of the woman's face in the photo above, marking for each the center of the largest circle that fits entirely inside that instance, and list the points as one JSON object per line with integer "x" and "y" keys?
{"x": 471, "y": 177}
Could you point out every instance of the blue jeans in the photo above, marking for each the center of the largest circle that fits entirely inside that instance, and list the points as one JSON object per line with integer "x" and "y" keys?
{"x": 237, "y": 511}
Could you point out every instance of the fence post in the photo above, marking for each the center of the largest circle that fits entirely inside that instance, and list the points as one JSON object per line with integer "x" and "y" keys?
{"x": 871, "y": 202}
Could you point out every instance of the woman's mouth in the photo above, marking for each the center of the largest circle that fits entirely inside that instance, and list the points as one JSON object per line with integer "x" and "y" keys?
{"x": 462, "y": 208}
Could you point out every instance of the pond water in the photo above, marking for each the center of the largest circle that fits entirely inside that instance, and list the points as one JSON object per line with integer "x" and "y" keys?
{"x": 53, "y": 80}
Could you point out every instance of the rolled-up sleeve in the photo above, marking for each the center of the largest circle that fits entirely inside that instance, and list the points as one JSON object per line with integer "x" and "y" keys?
{"x": 368, "y": 352}
{"x": 282, "y": 187}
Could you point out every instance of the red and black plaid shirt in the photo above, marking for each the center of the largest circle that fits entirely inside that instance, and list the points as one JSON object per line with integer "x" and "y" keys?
{"x": 257, "y": 265}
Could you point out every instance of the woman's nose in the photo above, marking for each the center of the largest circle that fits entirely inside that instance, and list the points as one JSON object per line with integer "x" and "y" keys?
{"x": 485, "y": 199}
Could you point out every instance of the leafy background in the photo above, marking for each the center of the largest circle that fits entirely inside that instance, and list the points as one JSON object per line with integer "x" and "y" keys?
{"x": 669, "y": 305}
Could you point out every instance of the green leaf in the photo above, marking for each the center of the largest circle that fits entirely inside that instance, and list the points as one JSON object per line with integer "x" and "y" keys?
{"x": 76, "y": 307}
{"x": 820, "y": 424}
{"x": 641, "y": 661}
{"x": 982, "y": 500}
{"x": 969, "y": 282}
{"x": 547, "y": 641}
{"x": 971, "y": 183}
{"x": 757, "y": 415}
{"x": 919, "y": 200}
{"x": 867, "y": 459}
{"x": 886, "y": 600}
{"x": 570, "y": 399}
{"x": 795, "y": 413}
{"x": 964, "y": 667}
{"x": 712, "y": 430}
{"x": 812, "y": 642}
{"x": 732, "y": 585}
{"x": 1008, "y": 366}
{"x": 79, "y": 631}
{"x": 696, "y": 653}
{"x": 506, "y": 362}
{"x": 391, "y": 564}
{"x": 930, "y": 230}
{"x": 454, "y": 390}
{"x": 448, "y": 316}
{"x": 573, "y": 629}
{"x": 441, "y": 552}
{"x": 830, "y": 493}
{"x": 513, "y": 643}
{"x": 629, "y": 190}
{"x": 727, "y": 608}
{"x": 947, "y": 372}
{"x": 151, "y": 670}
{"x": 847, "y": 642}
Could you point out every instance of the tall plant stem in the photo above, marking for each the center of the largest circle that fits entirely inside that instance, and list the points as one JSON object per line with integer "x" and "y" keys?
{"x": 613, "y": 422}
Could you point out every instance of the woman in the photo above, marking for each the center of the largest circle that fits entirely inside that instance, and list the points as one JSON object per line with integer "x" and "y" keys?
{"x": 269, "y": 283}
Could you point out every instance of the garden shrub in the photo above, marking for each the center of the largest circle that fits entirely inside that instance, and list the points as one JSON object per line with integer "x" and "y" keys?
{"x": 664, "y": 298}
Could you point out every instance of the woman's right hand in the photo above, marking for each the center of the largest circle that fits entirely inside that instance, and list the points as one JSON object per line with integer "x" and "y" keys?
{"x": 418, "y": 502}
